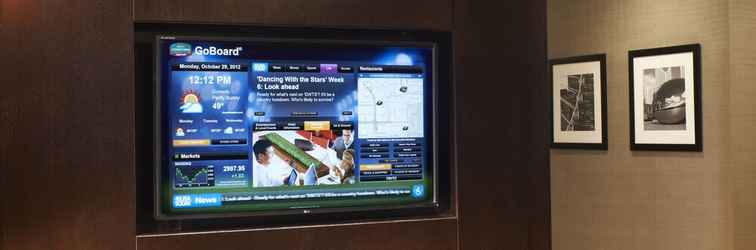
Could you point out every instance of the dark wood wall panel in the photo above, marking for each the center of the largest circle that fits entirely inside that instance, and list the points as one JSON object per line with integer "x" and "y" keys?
{"x": 502, "y": 113}
{"x": 68, "y": 118}
{"x": 67, "y": 125}
{"x": 427, "y": 14}
{"x": 428, "y": 234}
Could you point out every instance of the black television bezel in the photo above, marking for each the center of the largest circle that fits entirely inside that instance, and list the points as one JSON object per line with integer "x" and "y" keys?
{"x": 441, "y": 160}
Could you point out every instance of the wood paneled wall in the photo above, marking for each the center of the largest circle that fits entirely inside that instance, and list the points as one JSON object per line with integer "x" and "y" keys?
{"x": 67, "y": 125}
{"x": 502, "y": 126}
{"x": 425, "y": 14}
{"x": 423, "y": 234}
{"x": 68, "y": 121}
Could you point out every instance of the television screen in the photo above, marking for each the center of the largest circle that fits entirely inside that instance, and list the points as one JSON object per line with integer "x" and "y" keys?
{"x": 250, "y": 126}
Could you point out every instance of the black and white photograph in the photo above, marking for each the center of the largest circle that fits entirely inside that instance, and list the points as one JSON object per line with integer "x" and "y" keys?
{"x": 579, "y": 102}
{"x": 664, "y": 98}
{"x": 665, "y": 101}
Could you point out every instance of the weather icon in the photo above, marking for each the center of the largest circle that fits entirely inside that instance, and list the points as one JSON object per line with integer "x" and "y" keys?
{"x": 190, "y": 103}
{"x": 228, "y": 131}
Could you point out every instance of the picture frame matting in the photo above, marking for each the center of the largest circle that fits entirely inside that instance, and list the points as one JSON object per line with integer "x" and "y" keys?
{"x": 578, "y": 105}
{"x": 665, "y": 98}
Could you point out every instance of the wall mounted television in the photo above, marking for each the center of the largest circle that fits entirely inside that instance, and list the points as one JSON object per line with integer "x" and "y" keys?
{"x": 248, "y": 125}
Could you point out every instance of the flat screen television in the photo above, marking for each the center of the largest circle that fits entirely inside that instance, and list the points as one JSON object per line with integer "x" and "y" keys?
{"x": 248, "y": 126}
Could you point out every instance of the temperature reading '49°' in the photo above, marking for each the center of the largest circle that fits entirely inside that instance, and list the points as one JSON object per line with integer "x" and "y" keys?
{"x": 210, "y": 80}
{"x": 218, "y": 105}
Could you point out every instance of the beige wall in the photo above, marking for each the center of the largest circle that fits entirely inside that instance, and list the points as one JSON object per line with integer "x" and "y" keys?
{"x": 741, "y": 165}
{"x": 619, "y": 199}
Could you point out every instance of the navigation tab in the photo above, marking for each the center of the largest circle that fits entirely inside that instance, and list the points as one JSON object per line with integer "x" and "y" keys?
{"x": 391, "y": 161}
{"x": 390, "y": 69}
{"x": 317, "y": 125}
{"x": 374, "y": 150}
{"x": 346, "y": 69}
{"x": 407, "y": 155}
{"x": 407, "y": 165}
{"x": 407, "y": 171}
{"x": 310, "y": 68}
{"x": 342, "y": 125}
{"x": 228, "y": 141}
{"x": 374, "y": 167}
{"x": 291, "y": 126}
{"x": 408, "y": 144}
{"x": 374, "y": 156}
{"x": 328, "y": 68}
{"x": 413, "y": 149}
{"x": 191, "y": 143}
{"x": 265, "y": 126}
{"x": 390, "y": 178}
{"x": 276, "y": 68}
{"x": 377, "y": 172}
{"x": 294, "y": 68}
{"x": 365, "y": 145}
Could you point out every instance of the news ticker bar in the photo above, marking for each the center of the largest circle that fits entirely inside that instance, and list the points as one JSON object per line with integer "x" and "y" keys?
{"x": 216, "y": 199}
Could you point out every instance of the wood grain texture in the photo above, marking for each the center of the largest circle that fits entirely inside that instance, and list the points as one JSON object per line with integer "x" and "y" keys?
{"x": 67, "y": 122}
{"x": 742, "y": 123}
{"x": 503, "y": 135}
{"x": 6, "y": 112}
{"x": 425, "y": 14}
{"x": 428, "y": 234}
{"x": 67, "y": 146}
{"x": 619, "y": 199}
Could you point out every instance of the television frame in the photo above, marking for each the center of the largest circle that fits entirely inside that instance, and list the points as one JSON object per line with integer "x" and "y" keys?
{"x": 442, "y": 111}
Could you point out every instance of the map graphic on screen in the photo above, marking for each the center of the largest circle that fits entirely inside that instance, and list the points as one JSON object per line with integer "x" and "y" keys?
{"x": 261, "y": 125}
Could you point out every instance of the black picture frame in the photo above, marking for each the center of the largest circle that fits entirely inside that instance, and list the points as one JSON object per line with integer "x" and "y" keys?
{"x": 601, "y": 58}
{"x": 695, "y": 49}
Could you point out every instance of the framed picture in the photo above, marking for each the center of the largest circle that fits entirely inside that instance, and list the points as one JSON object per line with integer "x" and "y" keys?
{"x": 578, "y": 102}
{"x": 665, "y": 98}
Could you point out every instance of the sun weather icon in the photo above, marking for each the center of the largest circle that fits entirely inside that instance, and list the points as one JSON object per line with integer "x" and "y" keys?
{"x": 190, "y": 103}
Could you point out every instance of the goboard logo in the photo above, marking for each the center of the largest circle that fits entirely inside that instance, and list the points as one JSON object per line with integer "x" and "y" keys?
{"x": 214, "y": 51}
{"x": 180, "y": 49}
